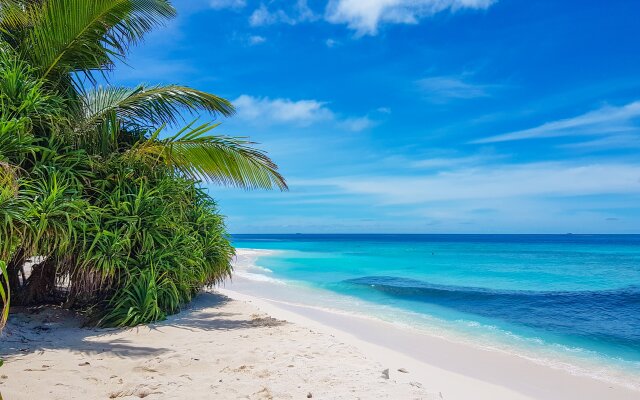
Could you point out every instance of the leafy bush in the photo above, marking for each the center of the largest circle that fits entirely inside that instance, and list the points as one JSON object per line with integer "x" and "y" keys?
{"x": 108, "y": 208}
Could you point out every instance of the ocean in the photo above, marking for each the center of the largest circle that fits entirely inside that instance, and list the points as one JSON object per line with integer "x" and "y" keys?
{"x": 569, "y": 301}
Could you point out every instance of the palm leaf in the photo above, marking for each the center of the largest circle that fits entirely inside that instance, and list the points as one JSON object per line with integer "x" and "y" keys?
{"x": 149, "y": 106}
{"x": 13, "y": 17}
{"x": 220, "y": 159}
{"x": 81, "y": 35}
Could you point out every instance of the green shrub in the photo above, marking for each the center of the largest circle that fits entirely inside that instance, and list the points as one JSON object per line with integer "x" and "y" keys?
{"x": 91, "y": 188}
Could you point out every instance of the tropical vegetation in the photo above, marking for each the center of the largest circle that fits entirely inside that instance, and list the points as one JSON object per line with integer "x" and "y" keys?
{"x": 102, "y": 206}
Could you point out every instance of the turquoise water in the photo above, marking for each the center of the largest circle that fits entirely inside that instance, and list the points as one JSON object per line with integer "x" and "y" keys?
{"x": 573, "y": 296}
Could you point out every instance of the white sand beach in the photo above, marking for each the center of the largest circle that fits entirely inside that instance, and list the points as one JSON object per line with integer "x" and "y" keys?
{"x": 218, "y": 349}
{"x": 447, "y": 366}
{"x": 229, "y": 345}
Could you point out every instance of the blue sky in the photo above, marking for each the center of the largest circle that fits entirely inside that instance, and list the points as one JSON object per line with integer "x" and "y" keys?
{"x": 420, "y": 116}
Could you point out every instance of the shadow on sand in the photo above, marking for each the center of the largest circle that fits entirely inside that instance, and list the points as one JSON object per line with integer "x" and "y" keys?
{"x": 53, "y": 328}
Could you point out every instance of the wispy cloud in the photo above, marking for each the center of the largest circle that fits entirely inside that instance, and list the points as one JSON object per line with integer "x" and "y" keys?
{"x": 606, "y": 143}
{"x": 264, "y": 110}
{"x": 357, "y": 124}
{"x": 365, "y": 16}
{"x": 362, "y": 16}
{"x": 227, "y": 4}
{"x": 256, "y": 39}
{"x": 445, "y": 88}
{"x": 496, "y": 183}
{"x": 331, "y": 43}
{"x": 603, "y": 121}
{"x": 439, "y": 163}
{"x": 263, "y": 15}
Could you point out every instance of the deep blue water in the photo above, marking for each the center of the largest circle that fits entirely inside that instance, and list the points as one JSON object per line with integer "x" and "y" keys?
{"x": 579, "y": 292}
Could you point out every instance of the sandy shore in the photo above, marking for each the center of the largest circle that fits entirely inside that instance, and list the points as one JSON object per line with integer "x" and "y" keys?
{"x": 218, "y": 349}
{"x": 455, "y": 369}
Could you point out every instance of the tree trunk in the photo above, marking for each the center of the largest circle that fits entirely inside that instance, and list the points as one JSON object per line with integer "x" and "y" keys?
{"x": 13, "y": 269}
{"x": 40, "y": 286}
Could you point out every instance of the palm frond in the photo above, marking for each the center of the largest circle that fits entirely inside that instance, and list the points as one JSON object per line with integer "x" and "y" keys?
{"x": 149, "y": 105}
{"x": 84, "y": 36}
{"x": 13, "y": 18}
{"x": 220, "y": 159}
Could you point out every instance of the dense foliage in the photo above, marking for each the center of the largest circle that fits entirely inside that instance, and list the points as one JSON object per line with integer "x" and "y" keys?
{"x": 99, "y": 208}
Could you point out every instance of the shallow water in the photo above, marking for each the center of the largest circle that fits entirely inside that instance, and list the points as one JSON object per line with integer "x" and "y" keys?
{"x": 565, "y": 299}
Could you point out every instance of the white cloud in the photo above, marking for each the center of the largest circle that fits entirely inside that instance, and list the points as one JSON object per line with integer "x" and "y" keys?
{"x": 362, "y": 16}
{"x": 365, "y": 16}
{"x": 264, "y": 16}
{"x": 331, "y": 43}
{"x": 606, "y": 143}
{"x": 256, "y": 39}
{"x": 454, "y": 162}
{"x": 357, "y": 124}
{"x": 263, "y": 110}
{"x": 444, "y": 88}
{"x": 605, "y": 120}
{"x": 495, "y": 183}
{"x": 231, "y": 4}
{"x": 304, "y": 13}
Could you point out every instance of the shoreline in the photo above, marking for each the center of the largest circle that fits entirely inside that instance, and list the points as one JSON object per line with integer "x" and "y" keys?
{"x": 490, "y": 373}
{"x": 230, "y": 344}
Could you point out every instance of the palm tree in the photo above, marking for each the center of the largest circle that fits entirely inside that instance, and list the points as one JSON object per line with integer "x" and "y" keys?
{"x": 219, "y": 159}
{"x": 97, "y": 190}
{"x": 64, "y": 40}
